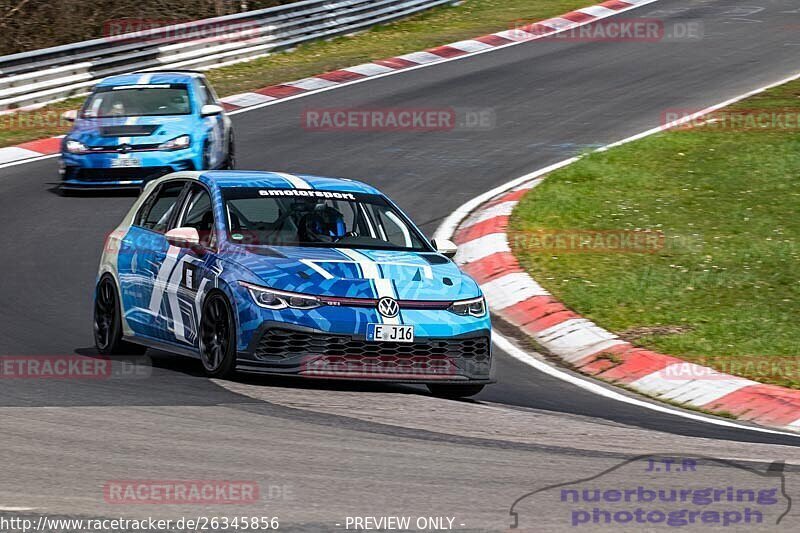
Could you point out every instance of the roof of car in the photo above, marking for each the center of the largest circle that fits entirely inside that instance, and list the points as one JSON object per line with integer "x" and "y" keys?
{"x": 281, "y": 180}
{"x": 146, "y": 78}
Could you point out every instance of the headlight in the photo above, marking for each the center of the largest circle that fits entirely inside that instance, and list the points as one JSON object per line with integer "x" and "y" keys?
{"x": 475, "y": 307}
{"x": 178, "y": 143}
{"x": 273, "y": 299}
{"x": 75, "y": 147}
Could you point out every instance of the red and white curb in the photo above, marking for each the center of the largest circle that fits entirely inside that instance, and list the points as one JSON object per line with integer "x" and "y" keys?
{"x": 30, "y": 150}
{"x": 382, "y": 67}
{"x": 484, "y": 253}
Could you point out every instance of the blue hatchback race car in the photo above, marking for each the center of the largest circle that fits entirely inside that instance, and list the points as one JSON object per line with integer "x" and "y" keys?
{"x": 290, "y": 274}
{"x": 137, "y": 127}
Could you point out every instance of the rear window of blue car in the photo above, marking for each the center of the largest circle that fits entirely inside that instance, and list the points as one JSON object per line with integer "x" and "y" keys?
{"x": 149, "y": 100}
{"x": 294, "y": 217}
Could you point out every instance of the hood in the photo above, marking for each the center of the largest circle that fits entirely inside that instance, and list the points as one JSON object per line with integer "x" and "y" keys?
{"x": 134, "y": 131}
{"x": 353, "y": 273}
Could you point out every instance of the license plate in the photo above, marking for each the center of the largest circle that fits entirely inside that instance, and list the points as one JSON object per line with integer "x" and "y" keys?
{"x": 390, "y": 333}
{"x": 125, "y": 162}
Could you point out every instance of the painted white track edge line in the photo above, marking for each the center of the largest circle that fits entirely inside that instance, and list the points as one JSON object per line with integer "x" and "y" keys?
{"x": 517, "y": 353}
{"x": 29, "y": 160}
{"x": 698, "y": 114}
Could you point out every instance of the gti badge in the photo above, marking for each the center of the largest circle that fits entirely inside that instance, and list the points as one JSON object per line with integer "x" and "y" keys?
{"x": 388, "y": 307}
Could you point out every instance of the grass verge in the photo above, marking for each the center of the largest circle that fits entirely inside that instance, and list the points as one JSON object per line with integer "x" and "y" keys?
{"x": 721, "y": 287}
{"x": 432, "y": 28}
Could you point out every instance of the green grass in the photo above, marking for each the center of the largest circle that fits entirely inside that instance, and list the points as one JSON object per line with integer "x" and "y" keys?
{"x": 433, "y": 28}
{"x": 725, "y": 288}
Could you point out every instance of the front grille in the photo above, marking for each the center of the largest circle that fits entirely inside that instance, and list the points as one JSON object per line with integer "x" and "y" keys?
{"x": 335, "y": 354}
{"x": 115, "y": 148}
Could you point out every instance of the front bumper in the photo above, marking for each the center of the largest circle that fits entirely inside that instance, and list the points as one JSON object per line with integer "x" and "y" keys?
{"x": 95, "y": 171}
{"x": 281, "y": 348}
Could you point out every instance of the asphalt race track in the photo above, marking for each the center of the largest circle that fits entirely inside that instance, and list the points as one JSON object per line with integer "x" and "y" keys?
{"x": 324, "y": 451}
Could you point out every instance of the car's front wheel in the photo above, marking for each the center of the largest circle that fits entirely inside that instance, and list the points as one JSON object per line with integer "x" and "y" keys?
{"x": 230, "y": 160}
{"x": 108, "y": 322}
{"x": 217, "y": 337}
{"x": 206, "y": 156}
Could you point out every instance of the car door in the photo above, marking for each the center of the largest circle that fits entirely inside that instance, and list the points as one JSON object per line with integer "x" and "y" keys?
{"x": 146, "y": 257}
{"x": 194, "y": 270}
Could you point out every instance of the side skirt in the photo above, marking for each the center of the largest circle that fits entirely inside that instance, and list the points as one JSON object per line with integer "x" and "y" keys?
{"x": 163, "y": 345}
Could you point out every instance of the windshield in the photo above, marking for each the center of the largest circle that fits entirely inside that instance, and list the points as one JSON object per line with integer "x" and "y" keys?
{"x": 292, "y": 217}
{"x": 138, "y": 101}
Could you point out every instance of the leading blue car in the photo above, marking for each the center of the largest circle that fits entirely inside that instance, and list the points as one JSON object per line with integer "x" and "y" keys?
{"x": 137, "y": 127}
{"x": 290, "y": 274}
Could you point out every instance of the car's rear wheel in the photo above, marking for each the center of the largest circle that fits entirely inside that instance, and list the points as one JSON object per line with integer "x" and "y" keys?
{"x": 217, "y": 337}
{"x": 454, "y": 392}
{"x": 108, "y": 322}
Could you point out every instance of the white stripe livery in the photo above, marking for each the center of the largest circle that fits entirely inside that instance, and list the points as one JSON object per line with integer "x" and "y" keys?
{"x": 295, "y": 181}
{"x": 371, "y": 270}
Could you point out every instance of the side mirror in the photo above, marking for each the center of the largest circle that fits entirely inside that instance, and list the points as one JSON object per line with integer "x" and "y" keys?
{"x": 183, "y": 237}
{"x": 445, "y": 247}
{"x": 211, "y": 109}
{"x": 70, "y": 115}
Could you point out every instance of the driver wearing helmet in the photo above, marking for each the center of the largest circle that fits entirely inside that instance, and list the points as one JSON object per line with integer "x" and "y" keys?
{"x": 322, "y": 224}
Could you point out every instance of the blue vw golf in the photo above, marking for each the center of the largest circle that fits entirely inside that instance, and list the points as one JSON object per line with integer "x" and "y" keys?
{"x": 290, "y": 274}
{"x": 137, "y": 127}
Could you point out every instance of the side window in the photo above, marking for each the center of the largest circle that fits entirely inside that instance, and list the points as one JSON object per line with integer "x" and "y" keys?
{"x": 159, "y": 208}
{"x": 198, "y": 213}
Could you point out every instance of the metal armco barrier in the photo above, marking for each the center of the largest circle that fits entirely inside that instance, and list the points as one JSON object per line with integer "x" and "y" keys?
{"x": 50, "y": 74}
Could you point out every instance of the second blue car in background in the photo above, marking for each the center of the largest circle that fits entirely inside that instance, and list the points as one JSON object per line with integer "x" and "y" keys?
{"x": 134, "y": 128}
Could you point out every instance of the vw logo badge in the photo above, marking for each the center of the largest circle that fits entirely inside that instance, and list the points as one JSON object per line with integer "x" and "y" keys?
{"x": 388, "y": 307}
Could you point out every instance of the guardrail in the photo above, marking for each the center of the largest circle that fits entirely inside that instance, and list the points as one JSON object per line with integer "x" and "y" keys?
{"x": 50, "y": 74}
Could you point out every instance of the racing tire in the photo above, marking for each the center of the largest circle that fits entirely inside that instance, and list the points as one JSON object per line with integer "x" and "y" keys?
{"x": 230, "y": 161}
{"x": 108, "y": 322}
{"x": 454, "y": 392}
{"x": 217, "y": 337}
{"x": 206, "y": 156}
